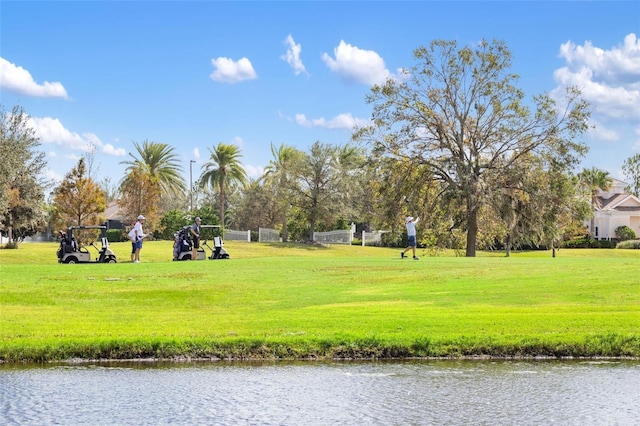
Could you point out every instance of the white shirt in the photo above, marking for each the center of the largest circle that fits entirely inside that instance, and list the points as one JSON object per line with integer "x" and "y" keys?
{"x": 137, "y": 230}
{"x": 411, "y": 227}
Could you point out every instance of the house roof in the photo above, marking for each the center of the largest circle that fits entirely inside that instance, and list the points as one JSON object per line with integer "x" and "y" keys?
{"x": 618, "y": 182}
{"x": 619, "y": 202}
{"x": 113, "y": 211}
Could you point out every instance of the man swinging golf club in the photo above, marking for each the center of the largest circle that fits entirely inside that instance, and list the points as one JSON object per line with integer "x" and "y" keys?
{"x": 410, "y": 222}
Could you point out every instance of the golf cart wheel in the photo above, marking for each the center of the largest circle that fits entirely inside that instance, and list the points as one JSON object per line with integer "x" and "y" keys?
{"x": 111, "y": 260}
{"x": 72, "y": 260}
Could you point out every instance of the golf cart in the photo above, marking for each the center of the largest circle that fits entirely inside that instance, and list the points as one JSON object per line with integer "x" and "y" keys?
{"x": 70, "y": 250}
{"x": 182, "y": 245}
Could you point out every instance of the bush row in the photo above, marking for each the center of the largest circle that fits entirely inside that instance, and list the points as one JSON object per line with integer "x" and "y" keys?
{"x": 629, "y": 244}
{"x": 588, "y": 243}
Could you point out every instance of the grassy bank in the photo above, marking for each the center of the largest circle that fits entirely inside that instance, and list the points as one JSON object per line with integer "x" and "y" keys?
{"x": 297, "y": 301}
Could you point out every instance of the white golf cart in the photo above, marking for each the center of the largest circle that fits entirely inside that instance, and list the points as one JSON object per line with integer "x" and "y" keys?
{"x": 183, "y": 244}
{"x": 70, "y": 251}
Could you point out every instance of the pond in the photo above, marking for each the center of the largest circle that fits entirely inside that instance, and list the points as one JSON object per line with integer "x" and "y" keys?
{"x": 351, "y": 393}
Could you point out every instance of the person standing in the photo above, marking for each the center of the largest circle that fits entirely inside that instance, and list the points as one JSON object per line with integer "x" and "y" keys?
{"x": 195, "y": 233}
{"x": 411, "y": 234}
{"x": 138, "y": 235}
{"x": 132, "y": 237}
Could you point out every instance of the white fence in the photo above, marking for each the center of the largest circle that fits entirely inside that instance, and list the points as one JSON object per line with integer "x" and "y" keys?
{"x": 370, "y": 238}
{"x": 340, "y": 236}
{"x": 267, "y": 235}
{"x": 232, "y": 235}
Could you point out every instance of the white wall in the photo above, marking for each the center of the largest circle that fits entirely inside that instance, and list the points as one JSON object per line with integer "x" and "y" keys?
{"x": 607, "y": 223}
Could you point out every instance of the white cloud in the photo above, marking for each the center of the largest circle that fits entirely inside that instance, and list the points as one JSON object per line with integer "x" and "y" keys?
{"x": 618, "y": 66}
{"x": 196, "y": 154}
{"x": 18, "y": 80}
{"x": 52, "y": 175}
{"x": 112, "y": 150}
{"x": 342, "y": 121}
{"x": 636, "y": 145}
{"x": 612, "y": 101}
{"x": 601, "y": 132}
{"x": 292, "y": 57}
{"x": 254, "y": 172}
{"x": 50, "y": 130}
{"x": 355, "y": 64}
{"x": 228, "y": 71}
{"x": 609, "y": 79}
{"x": 610, "y": 82}
{"x": 238, "y": 141}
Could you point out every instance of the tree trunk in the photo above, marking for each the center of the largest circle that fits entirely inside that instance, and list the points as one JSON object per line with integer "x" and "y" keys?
{"x": 284, "y": 226}
{"x": 312, "y": 227}
{"x": 507, "y": 248}
{"x": 472, "y": 229}
{"x": 221, "y": 207}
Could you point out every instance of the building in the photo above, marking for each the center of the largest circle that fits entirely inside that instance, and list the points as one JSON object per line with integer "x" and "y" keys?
{"x": 615, "y": 208}
{"x": 114, "y": 219}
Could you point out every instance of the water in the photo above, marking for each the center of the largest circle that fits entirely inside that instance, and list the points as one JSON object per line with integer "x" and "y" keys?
{"x": 375, "y": 393}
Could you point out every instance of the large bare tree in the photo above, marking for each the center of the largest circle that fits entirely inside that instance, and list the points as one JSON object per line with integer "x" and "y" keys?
{"x": 459, "y": 112}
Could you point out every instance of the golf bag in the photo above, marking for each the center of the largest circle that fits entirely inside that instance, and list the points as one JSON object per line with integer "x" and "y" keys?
{"x": 181, "y": 243}
{"x": 68, "y": 244}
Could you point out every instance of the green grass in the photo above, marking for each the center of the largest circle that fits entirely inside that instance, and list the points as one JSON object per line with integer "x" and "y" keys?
{"x": 298, "y": 301}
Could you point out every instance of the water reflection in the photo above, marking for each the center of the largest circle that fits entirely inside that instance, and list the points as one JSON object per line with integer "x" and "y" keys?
{"x": 389, "y": 393}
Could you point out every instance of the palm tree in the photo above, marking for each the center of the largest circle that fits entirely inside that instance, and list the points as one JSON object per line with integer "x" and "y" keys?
{"x": 279, "y": 173}
{"x": 594, "y": 180}
{"x": 222, "y": 171}
{"x": 158, "y": 161}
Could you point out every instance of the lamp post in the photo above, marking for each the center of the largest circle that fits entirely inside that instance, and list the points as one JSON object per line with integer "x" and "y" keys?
{"x": 191, "y": 182}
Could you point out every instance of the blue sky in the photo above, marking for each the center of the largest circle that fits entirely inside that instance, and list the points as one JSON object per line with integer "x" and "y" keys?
{"x": 193, "y": 74}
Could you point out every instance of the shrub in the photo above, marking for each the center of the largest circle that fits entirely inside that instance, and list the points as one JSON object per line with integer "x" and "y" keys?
{"x": 588, "y": 243}
{"x": 575, "y": 243}
{"x": 629, "y": 244}
{"x": 116, "y": 235}
{"x": 391, "y": 239}
{"x": 170, "y": 222}
{"x": 604, "y": 244}
{"x": 624, "y": 233}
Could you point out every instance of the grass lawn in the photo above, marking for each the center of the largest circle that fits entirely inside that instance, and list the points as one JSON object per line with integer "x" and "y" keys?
{"x": 298, "y": 301}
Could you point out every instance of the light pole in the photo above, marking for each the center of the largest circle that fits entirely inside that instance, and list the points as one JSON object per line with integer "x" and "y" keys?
{"x": 191, "y": 182}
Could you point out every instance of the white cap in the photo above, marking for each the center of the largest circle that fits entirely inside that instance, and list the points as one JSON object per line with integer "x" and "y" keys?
{"x": 140, "y": 217}
{"x": 409, "y": 219}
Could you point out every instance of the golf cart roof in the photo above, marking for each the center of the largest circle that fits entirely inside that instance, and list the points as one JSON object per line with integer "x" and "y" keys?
{"x": 87, "y": 227}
